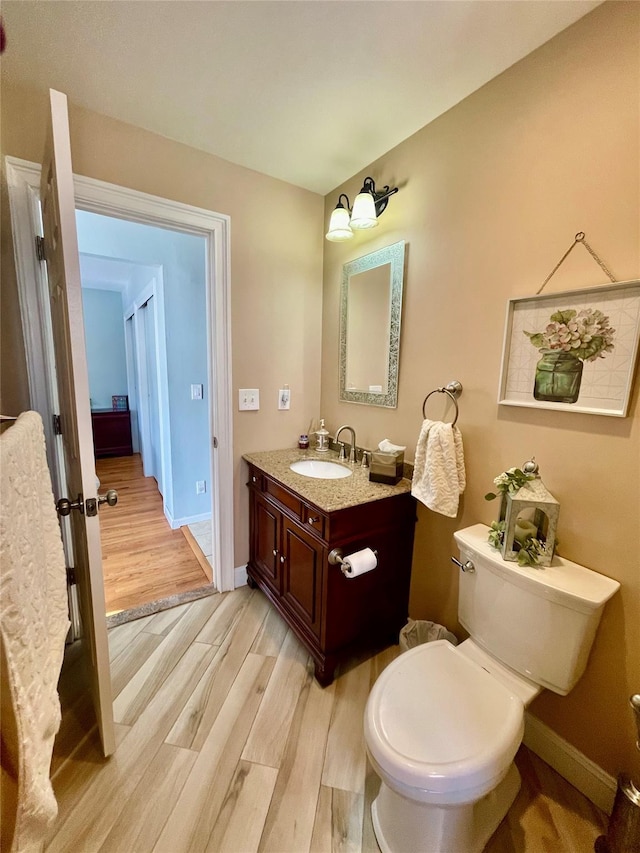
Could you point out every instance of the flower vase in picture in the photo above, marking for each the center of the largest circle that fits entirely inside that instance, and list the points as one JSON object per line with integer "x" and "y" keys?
{"x": 558, "y": 377}
{"x": 571, "y": 338}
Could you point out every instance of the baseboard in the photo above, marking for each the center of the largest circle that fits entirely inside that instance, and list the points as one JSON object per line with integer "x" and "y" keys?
{"x": 584, "y": 774}
{"x": 239, "y": 576}
{"x": 175, "y": 523}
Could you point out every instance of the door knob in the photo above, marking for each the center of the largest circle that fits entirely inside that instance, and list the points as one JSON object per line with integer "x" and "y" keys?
{"x": 64, "y": 506}
{"x": 90, "y": 506}
{"x": 111, "y": 498}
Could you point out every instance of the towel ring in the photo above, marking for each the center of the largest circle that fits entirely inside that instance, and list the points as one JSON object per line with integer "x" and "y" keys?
{"x": 452, "y": 390}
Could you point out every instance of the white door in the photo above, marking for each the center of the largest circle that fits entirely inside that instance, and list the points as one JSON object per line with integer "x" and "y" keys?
{"x": 63, "y": 269}
{"x": 152, "y": 388}
{"x": 140, "y": 329}
{"x": 132, "y": 382}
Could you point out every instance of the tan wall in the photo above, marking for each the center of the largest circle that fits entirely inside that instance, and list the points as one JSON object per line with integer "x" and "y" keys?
{"x": 276, "y": 264}
{"x": 491, "y": 195}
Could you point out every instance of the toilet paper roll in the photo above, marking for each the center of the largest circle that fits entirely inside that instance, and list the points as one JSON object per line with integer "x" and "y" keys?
{"x": 359, "y": 562}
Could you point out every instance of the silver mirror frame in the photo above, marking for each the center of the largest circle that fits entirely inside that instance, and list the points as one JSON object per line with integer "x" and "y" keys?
{"x": 393, "y": 255}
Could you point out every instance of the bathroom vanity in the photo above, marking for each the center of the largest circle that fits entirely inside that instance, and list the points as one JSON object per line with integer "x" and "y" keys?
{"x": 296, "y": 521}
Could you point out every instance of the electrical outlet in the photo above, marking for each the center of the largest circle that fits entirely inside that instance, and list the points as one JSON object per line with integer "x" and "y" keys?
{"x": 248, "y": 399}
{"x": 196, "y": 392}
{"x": 284, "y": 399}
{"x": 201, "y": 487}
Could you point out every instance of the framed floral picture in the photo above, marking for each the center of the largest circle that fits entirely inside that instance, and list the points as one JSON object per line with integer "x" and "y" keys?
{"x": 574, "y": 351}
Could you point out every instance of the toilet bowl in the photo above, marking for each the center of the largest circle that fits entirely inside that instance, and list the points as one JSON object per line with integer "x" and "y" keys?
{"x": 442, "y": 732}
{"x": 443, "y": 723}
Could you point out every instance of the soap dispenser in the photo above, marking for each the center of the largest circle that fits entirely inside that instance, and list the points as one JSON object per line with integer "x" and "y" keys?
{"x": 322, "y": 438}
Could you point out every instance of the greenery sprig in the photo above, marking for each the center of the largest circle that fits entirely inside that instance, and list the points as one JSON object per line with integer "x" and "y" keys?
{"x": 509, "y": 481}
{"x": 496, "y": 534}
{"x": 530, "y": 552}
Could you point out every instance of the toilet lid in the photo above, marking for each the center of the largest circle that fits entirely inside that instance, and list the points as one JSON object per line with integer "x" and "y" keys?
{"x": 438, "y": 721}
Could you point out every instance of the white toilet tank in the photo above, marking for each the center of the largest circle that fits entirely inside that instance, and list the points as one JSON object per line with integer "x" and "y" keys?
{"x": 541, "y": 622}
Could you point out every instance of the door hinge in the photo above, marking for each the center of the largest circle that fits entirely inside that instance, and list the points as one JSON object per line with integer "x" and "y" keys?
{"x": 71, "y": 576}
{"x": 57, "y": 425}
{"x": 40, "y": 254}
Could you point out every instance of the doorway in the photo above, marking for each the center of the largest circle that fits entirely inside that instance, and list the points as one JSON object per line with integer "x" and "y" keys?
{"x": 146, "y": 333}
{"x": 94, "y": 196}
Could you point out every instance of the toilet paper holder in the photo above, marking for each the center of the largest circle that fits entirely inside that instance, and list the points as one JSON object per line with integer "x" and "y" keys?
{"x": 335, "y": 559}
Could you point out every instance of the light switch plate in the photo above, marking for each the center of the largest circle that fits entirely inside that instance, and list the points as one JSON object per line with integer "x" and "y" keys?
{"x": 248, "y": 399}
{"x": 196, "y": 392}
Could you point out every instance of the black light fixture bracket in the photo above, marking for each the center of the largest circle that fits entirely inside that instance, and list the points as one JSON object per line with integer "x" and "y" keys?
{"x": 380, "y": 197}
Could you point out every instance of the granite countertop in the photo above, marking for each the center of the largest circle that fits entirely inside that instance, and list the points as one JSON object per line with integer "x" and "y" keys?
{"x": 327, "y": 495}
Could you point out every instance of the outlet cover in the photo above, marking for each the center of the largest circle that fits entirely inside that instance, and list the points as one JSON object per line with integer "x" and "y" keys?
{"x": 248, "y": 399}
{"x": 196, "y": 392}
{"x": 201, "y": 487}
{"x": 284, "y": 399}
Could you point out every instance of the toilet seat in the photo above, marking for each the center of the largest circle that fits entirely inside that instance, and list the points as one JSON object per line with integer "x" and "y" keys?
{"x": 440, "y": 728}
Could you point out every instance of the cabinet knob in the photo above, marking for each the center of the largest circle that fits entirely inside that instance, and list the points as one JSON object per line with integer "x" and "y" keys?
{"x": 275, "y": 553}
{"x": 314, "y": 519}
{"x": 254, "y": 479}
{"x": 282, "y": 559}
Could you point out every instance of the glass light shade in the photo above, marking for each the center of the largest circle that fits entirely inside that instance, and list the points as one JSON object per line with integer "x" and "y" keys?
{"x": 364, "y": 212}
{"x": 339, "y": 228}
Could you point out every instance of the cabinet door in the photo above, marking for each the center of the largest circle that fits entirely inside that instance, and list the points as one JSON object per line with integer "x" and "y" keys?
{"x": 302, "y": 574}
{"x": 266, "y": 541}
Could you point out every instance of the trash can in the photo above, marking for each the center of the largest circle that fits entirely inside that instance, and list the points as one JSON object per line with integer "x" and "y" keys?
{"x": 419, "y": 631}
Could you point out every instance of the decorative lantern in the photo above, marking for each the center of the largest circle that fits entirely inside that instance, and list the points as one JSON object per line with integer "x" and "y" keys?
{"x": 531, "y": 520}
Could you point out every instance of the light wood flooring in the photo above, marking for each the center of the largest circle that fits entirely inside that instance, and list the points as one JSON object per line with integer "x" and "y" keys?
{"x": 143, "y": 559}
{"x": 226, "y": 743}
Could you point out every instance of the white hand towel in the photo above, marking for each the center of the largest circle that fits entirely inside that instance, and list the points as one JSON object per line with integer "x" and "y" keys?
{"x": 438, "y": 474}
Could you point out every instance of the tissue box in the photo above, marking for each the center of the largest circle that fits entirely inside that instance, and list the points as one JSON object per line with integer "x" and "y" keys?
{"x": 386, "y": 467}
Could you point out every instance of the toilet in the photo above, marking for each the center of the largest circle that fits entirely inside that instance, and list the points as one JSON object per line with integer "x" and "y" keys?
{"x": 443, "y": 723}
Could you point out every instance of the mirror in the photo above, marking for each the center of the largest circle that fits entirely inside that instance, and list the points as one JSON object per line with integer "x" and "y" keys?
{"x": 370, "y": 313}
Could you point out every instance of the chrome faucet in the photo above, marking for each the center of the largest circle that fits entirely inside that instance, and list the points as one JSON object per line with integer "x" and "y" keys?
{"x": 353, "y": 458}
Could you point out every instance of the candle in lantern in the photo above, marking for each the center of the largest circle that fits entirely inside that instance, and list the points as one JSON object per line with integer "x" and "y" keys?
{"x": 525, "y": 530}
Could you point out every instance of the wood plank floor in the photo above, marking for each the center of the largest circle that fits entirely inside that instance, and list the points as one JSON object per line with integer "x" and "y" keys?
{"x": 226, "y": 743}
{"x": 143, "y": 559}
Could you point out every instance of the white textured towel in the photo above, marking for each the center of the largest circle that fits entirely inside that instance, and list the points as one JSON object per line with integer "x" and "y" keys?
{"x": 33, "y": 626}
{"x": 438, "y": 472}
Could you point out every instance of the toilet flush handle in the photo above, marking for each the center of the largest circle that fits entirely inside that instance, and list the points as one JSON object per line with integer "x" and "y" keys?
{"x": 466, "y": 567}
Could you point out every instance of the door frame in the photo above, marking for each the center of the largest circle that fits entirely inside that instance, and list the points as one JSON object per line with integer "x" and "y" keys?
{"x": 23, "y": 181}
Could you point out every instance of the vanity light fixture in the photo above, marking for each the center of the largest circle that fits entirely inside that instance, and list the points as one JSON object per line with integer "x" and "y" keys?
{"x": 367, "y": 207}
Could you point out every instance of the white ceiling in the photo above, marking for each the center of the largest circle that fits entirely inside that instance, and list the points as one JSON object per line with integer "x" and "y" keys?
{"x": 309, "y": 91}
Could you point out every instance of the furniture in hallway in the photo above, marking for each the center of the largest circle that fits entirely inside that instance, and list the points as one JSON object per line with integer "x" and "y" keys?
{"x": 111, "y": 432}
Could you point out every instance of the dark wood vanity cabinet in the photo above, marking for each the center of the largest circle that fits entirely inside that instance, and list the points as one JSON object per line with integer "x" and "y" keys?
{"x": 334, "y": 616}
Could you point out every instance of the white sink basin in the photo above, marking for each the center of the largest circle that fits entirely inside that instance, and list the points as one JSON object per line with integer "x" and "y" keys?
{"x": 320, "y": 469}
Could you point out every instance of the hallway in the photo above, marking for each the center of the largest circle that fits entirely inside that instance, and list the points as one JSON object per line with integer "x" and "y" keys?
{"x": 143, "y": 559}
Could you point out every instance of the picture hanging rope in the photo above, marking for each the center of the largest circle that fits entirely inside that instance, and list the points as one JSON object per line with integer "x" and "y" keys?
{"x": 579, "y": 238}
